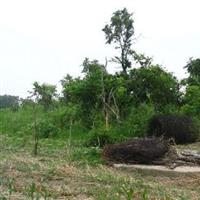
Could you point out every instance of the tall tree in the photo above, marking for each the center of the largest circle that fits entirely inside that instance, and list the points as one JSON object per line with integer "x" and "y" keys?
{"x": 120, "y": 31}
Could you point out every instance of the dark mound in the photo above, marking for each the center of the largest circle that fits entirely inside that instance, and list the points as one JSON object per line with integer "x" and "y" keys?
{"x": 136, "y": 151}
{"x": 181, "y": 128}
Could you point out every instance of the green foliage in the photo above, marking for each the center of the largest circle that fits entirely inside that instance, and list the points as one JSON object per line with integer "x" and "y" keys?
{"x": 87, "y": 155}
{"x": 128, "y": 192}
{"x": 45, "y": 128}
{"x": 35, "y": 192}
{"x": 64, "y": 115}
{"x": 44, "y": 94}
{"x": 120, "y": 32}
{"x": 142, "y": 59}
{"x": 85, "y": 93}
{"x": 137, "y": 122}
{"x": 15, "y": 123}
{"x": 193, "y": 68}
{"x": 192, "y": 101}
{"x": 154, "y": 85}
{"x": 99, "y": 138}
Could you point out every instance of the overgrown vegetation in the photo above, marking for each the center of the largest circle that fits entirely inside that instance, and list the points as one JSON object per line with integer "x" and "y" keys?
{"x": 96, "y": 109}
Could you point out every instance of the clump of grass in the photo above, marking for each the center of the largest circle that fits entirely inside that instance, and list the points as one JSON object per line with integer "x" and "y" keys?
{"x": 37, "y": 192}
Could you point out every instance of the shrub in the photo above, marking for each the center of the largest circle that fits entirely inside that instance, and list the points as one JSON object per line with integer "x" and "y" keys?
{"x": 45, "y": 128}
{"x": 182, "y": 128}
{"x": 99, "y": 138}
{"x": 137, "y": 122}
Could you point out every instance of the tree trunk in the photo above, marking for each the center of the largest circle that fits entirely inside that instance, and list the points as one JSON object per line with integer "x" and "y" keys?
{"x": 35, "y": 134}
{"x": 70, "y": 132}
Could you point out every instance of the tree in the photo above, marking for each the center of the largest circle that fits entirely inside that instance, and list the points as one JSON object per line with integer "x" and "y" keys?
{"x": 192, "y": 100}
{"x": 153, "y": 85}
{"x": 142, "y": 59}
{"x": 193, "y": 68}
{"x": 40, "y": 94}
{"x": 96, "y": 94}
{"x": 85, "y": 92}
{"x": 45, "y": 94}
{"x": 120, "y": 31}
{"x": 9, "y": 101}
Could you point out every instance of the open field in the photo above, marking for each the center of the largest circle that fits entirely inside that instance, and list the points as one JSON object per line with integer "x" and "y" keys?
{"x": 63, "y": 172}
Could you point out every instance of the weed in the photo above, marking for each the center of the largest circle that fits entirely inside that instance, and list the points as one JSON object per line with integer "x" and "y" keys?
{"x": 145, "y": 194}
{"x": 128, "y": 192}
{"x": 10, "y": 187}
{"x": 31, "y": 189}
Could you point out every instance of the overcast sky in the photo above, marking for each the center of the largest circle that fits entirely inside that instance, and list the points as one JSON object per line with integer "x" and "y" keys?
{"x": 43, "y": 40}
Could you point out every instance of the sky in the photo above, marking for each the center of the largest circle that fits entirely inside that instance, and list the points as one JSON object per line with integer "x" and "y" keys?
{"x": 43, "y": 40}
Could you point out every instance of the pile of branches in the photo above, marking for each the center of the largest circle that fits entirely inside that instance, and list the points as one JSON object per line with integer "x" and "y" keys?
{"x": 152, "y": 150}
{"x": 137, "y": 151}
{"x": 188, "y": 157}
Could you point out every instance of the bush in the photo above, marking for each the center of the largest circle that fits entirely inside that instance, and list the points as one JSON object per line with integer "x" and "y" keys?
{"x": 182, "y": 128}
{"x": 99, "y": 138}
{"x": 45, "y": 128}
{"x": 137, "y": 122}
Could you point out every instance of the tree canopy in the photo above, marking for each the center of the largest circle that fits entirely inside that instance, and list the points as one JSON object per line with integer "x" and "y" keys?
{"x": 120, "y": 31}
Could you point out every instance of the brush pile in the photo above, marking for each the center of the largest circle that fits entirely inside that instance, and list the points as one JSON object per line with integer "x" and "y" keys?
{"x": 152, "y": 151}
{"x": 137, "y": 151}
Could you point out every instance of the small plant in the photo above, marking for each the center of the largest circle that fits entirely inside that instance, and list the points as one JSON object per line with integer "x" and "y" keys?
{"x": 44, "y": 192}
{"x": 35, "y": 193}
{"x": 31, "y": 190}
{"x": 9, "y": 183}
{"x": 128, "y": 192}
{"x": 10, "y": 187}
{"x": 145, "y": 194}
